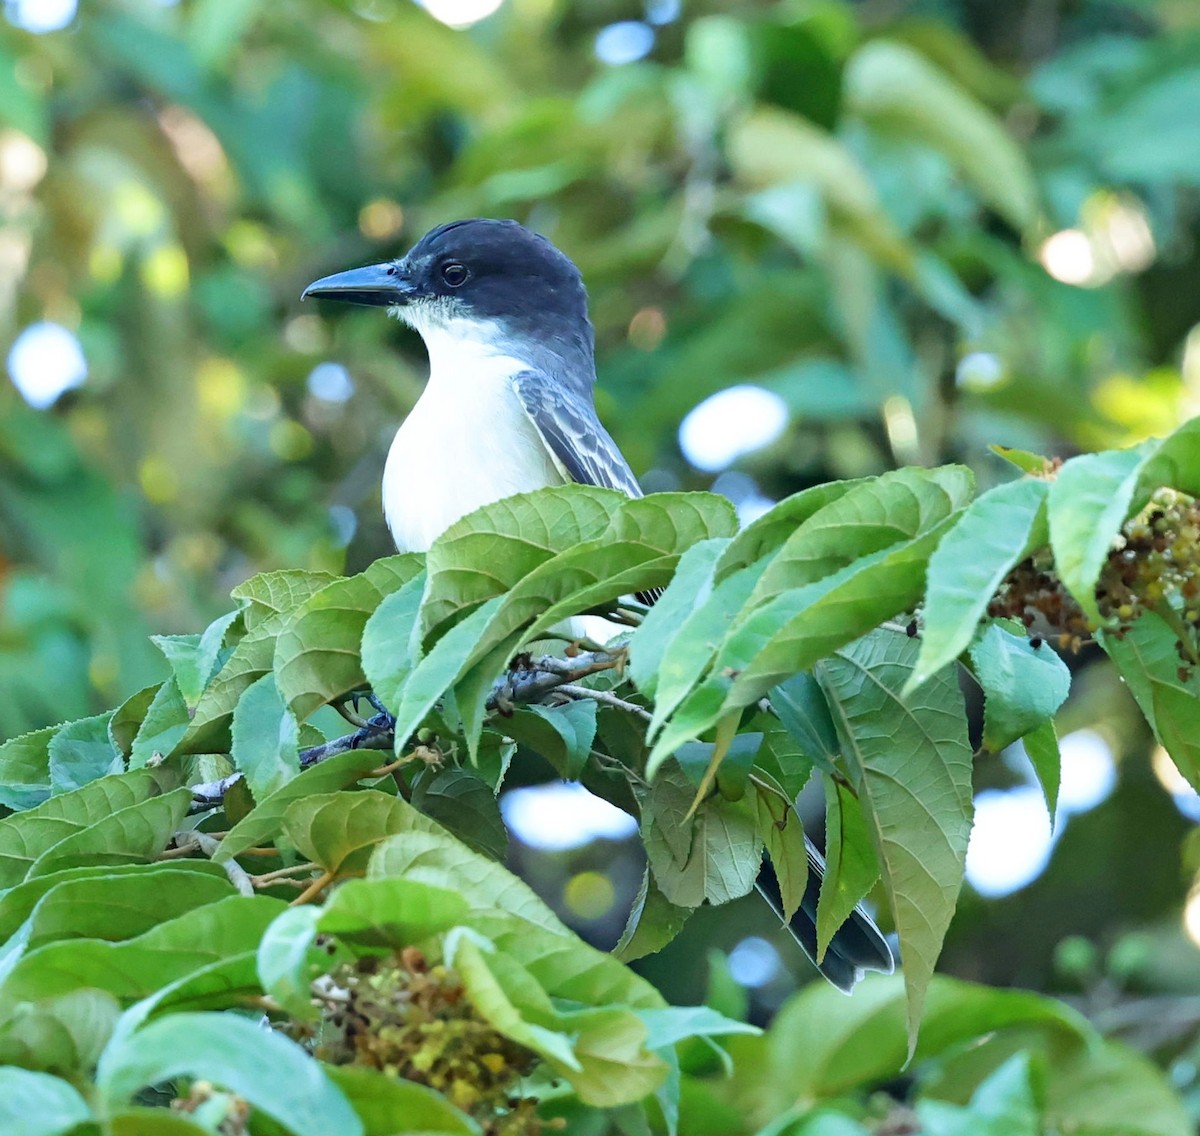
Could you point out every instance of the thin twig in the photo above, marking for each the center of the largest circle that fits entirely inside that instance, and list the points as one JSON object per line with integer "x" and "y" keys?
{"x": 281, "y": 874}
{"x": 605, "y": 696}
{"x": 314, "y": 889}
{"x": 529, "y": 681}
{"x": 208, "y": 844}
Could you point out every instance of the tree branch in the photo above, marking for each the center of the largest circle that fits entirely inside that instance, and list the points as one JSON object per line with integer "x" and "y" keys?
{"x": 527, "y": 680}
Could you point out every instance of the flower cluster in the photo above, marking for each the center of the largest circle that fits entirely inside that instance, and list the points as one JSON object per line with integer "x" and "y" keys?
{"x": 407, "y": 1018}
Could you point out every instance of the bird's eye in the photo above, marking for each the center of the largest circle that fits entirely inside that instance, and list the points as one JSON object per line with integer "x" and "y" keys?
{"x": 456, "y": 275}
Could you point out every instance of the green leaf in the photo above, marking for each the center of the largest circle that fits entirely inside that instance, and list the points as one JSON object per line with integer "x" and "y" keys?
{"x": 208, "y": 729}
{"x": 137, "y": 967}
{"x": 17, "y": 903}
{"x": 801, "y": 707}
{"x": 1023, "y": 685}
{"x": 653, "y": 922}
{"x": 81, "y": 752}
{"x": 715, "y": 855}
{"x": 493, "y": 981}
{"x": 25, "y": 769}
{"x": 121, "y": 906}
{"x": 1087, "y": 504}
{"x": 1003, "y": 1105}
{"x": 902, "y": 93}
{"x": 767, "y": 533}
{"x": 782, "y": 833}
{"x": 149, "y": 1121}
{"x": 163, "y": 728}
{"x": 1113, "y": 1091}
{"x": 436, "y": 672}
{"x": 374, "y": 913}
{"x": 465, "y": 805}
{"x": 339, "y": 830}
{"x": 487, "y": 552}
{"x": 25, "y": 836}
{"x": 779, "y": 758}
{"x": 910, "y": 761}
{"x": 127, "y": 718}
{"x": 851, "y": 867}
{"x": 265, "y": 738}
{"x": 1041, "y": 746}
{"x": 823, "y": 1045}
{"x": 134, "y": 834}
{"x": 563, "y": 735}
{"x": 673, "y": 1024}
{"x": 193, "y": 657}
{"x": 317, "y": 652}
{"x": 270, "y": 597}
{"x": 388, "y": 1105}
{"x": 772, "y": 147}
{"x": 617, "y": 1066}
{"x": 428, "y": 854}
{"x": 689, "y": 587}
{"x": 796, "y": 629}
{"x": 1147, "y": 656}
{"x": 36, "y": 1104}
{"x": 265, "y": 821}
{"x": 391, "y": 641}
{"x": 995, "y": 531}
{"x": 265, "y": 1068}
{"x": 691, "y": 650}
{"x": 63, "y": 1035}
{"x": 639, "y": 550}
{"x": 877, "y": 514}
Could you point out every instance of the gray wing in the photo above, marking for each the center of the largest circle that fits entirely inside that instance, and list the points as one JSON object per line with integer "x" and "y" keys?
{"x": 568, "y": 424}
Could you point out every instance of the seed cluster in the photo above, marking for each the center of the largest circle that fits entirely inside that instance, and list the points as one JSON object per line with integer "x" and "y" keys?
{"x": 1032, "y": 593}
{"x": 406, "y": 1018}
{"x": 1159, "y": 559}
{"x": 1154, "y": 563}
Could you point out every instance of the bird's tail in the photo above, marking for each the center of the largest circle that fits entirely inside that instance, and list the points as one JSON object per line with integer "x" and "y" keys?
{"x": 856, "y": 947}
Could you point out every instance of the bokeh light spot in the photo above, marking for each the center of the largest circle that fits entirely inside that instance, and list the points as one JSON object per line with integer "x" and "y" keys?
{"x": 40, "y": 16}
{"x": 165, "y": 271}
{"x": 44, "y": 361}
{"x": 732, "y": 422}
{"x": 980, "y": 370}
{"x": 380, "y": 219}
{"x": 1068, "y": 257}
{"x": 624, "y": 42}
{"x": 753, "y": 962}
{"x": 220, "y": 386}
{"x": 289, "y": 440}
{"x": 330, "y": 382}
{"x": 158, "y": 480}
{"x": 1010, "y": 841}
{"x": 344, "y": 524}
{"x": 1089, "y": 773}
{"x": 647, "y": 328}
{"x": 563, "y": 815}
{"x": 460, "y": 13}
{"x": 22, "y": 161}
{"x": 589, "y": 895}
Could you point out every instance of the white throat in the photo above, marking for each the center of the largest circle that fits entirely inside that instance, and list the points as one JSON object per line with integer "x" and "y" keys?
{"x": 468, "y": 441}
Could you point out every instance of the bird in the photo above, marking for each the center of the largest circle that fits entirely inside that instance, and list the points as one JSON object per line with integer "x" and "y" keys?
{"x": 509, "y": 408}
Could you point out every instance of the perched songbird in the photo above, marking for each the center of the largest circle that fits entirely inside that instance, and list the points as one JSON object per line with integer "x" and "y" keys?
{"x": 509, "y": 408}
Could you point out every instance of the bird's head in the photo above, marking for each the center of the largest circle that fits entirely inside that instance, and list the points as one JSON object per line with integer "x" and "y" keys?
{"x": 477, "y": 279}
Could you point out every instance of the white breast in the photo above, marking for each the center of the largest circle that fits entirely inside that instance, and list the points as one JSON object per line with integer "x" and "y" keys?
{"x": 468, "y": 442}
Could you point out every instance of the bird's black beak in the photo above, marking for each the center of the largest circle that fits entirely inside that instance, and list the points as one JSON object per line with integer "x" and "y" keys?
{"x": 377, "y": 285}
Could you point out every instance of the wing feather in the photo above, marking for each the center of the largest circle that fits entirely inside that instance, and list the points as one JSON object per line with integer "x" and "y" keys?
{"x": 579, "y": 444}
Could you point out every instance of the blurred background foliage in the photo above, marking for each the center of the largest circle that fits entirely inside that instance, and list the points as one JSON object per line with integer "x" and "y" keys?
{"x": 821, "y": 238}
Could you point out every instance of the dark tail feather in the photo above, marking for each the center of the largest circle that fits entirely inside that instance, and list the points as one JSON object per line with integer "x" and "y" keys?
{"x": 857, "y": 946}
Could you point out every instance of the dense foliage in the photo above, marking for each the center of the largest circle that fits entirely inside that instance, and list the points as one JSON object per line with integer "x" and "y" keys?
{"x": 410, "y": 952}
{"x": 927, "y": 227}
